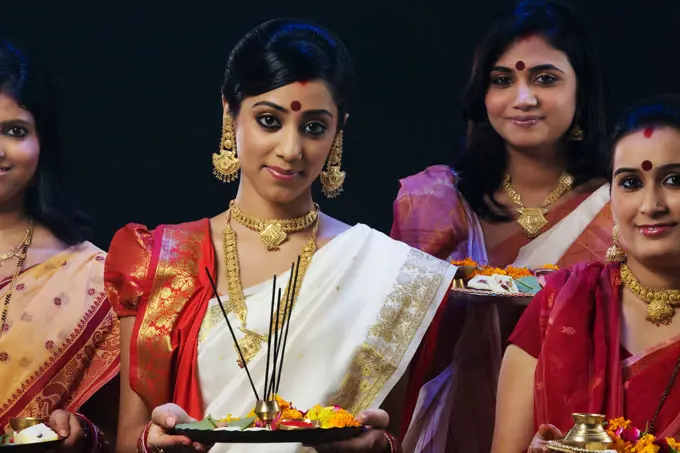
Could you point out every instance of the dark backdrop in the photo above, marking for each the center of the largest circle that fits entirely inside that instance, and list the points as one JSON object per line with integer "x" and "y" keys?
{"x": 140, "y": 102}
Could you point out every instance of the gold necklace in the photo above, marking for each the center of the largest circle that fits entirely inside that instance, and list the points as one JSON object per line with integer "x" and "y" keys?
{"x": 23, "y": 251}
{"x": 660, "y": 302}
{"x": 532, "y": 220}
{"x": 252, "y": 341}
{"x": 273, "y": 231}
{"x": 15, "y": 251}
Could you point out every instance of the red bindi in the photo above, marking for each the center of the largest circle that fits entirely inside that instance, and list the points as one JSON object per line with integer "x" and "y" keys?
{"x": 646, "y": 165}
{"x": 295, "y": 106}
{"x": 526, "y": 36}
{"x": 648, "y": 132}
{"x": 520, "y": 65}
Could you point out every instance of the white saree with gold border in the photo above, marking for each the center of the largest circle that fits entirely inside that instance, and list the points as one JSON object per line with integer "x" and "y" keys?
{"x": 363, "y": 308}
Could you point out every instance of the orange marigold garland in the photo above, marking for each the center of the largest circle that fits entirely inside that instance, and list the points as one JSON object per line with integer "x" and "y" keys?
{"x": 629, "y": 439}
{"x": 512, "y": 271}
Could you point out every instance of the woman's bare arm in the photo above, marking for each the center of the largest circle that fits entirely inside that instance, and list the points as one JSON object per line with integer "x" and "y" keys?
{"x": 514, "y": 427}
{"x": 133, "y": 415}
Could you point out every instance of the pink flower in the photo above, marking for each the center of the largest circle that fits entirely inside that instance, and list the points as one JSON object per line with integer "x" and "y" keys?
{"x": 91, "y": 291}
{"x": 630, "y": 434}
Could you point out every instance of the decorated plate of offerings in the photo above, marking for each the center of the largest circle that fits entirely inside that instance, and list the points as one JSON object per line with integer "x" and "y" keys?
{"x": 29, "y": 435}
{"x": 318, "y": 425}
{"x": 473, "y": 278}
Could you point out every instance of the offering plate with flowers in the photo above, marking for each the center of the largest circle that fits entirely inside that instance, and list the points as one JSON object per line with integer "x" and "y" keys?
{"x": 289, "y": 425}
{"x": 473, "y": 278}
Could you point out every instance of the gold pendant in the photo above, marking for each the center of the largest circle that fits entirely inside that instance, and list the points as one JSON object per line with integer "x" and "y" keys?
{"x": 532, "y": 220}
{"x": 273, "y": 236}
{"x": 659, "y": 313}
{"x": 250, "y": 345}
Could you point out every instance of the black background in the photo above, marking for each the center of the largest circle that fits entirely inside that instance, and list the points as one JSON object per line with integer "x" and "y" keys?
{"x": 140, "y": 101}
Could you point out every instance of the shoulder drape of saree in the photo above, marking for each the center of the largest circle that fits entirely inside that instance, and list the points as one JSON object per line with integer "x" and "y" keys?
{"x": 62, "y": 344}
{"x": 579, "y": 367}
{"x": 169, "y": 301}
{"x": 430, "y": 215}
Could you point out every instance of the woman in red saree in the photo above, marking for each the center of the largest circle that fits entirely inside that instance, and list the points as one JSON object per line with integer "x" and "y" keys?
{"x": 364, "y": 300}
{"x": 593, "y": 340}
{"x": 59, "y": 336}
{"x": 536, "y": 128}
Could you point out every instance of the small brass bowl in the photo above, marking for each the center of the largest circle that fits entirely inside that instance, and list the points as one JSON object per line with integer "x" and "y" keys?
{"x": 267, "y": 410}
{"x": 459, "y": 283}
{"x": 21, "y": 423}
{"x": 315, "y": 424}
{"x": 464, "y": 272}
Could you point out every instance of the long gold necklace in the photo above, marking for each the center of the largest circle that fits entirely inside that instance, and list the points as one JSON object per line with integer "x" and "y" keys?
{"x": 23, "y": 251}
{"x": 17, "y": 250}
{"x": 532, "y": 220}
{"x": 273, "y": 231}
{"x": 660, "y": 302}
{"x": 252, "y": 341}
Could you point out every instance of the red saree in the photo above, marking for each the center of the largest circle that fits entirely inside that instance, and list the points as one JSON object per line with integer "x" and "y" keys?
{"x": 160, "y": 278}
{"x": 576, "y": 319}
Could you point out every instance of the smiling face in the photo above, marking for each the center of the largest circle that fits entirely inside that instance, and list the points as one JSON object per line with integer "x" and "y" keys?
{"x": 283, "y": 138}
{"x": 19, "y": 150}
{"x": 646, "y": 195}
{"x": 531, "y": 99}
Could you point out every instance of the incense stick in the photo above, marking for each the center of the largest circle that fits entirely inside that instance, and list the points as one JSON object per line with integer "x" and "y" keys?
{"x": 277, "y": 346}
{"x": 287, "y": 322}
{"x": 276, "y": 330}
{"x": 238, "y": 348}
{"x": 269, "y": 343}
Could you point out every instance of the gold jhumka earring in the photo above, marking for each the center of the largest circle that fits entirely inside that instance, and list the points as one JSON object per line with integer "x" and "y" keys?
{"x": 225, "y": 164}
{"x": 615, "y": 253}
{"x": 333, "y": 178}
{"x": 576, "y": 134}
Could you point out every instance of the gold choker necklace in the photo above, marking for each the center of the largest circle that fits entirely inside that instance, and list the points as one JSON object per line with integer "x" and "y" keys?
{"x": 273, "y": 231}
{"x": 532, "y": 220}
{"x": 660, "y": 302}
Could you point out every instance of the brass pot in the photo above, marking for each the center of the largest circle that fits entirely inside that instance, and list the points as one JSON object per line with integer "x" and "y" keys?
{"x": 267, "y": 410}
{"x": 588, "y": 433}
{"x": 21, "y": 423}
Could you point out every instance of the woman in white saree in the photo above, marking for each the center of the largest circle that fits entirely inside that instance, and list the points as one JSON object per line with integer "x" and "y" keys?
{"x": 363, "y": 303}
{"x": 528, "y": 189}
